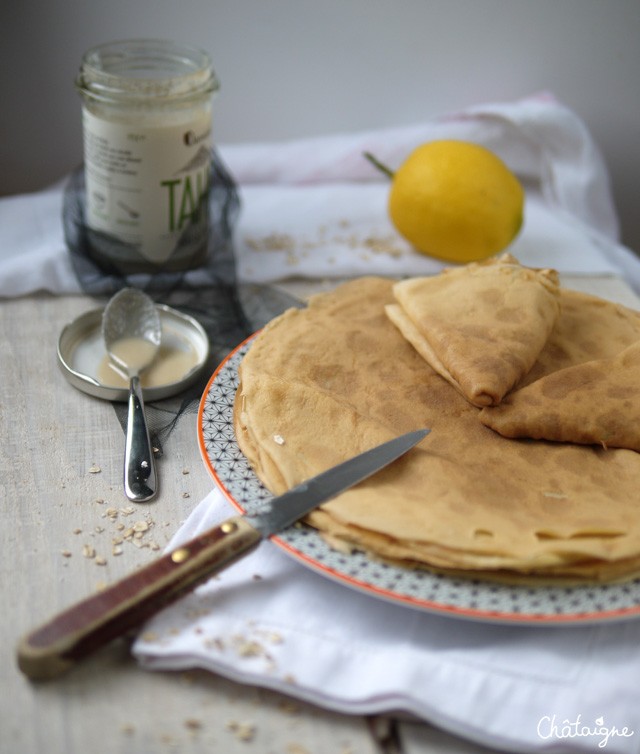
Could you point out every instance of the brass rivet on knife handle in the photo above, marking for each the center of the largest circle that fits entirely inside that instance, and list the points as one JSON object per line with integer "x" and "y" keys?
{"x": 180, "y": 555}
{"x": 90, "y": 624}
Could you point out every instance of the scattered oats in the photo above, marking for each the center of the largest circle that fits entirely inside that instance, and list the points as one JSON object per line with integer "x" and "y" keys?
{"x": 275, "y": 638}
{"x": 242, "y": 731}
{"x": 140, "y": 526}
{"x": 99, "y": 500}
{"x": 99, "y": 529}
{"x": 278, "y": 439}
{"x": 110, "y": 513}
{"x": 128, "y": 510}
{"x": 65, "y": 554}
{"x": 120, "y": 526}
{"x": 116, "y": 550}
{"x": 186, "y": 494}
{"x": 100, "y": 561}
{"x": 215, "y": 643}
{"x": 289, "y": 678}
{"x": 95, "y": 469}
{"x": 77, "y": 531}
{"x": 250, "y": 649}
{"x": 289, "y": 707}
{"x": 351, "y": 241}
{"x": 193, "y": 724}
{"x": 88, "y": 551}
{"x": 276, "y": 242}
{"x": 297, "y": 749}
{"x": 101, "y": 586}
{"x": 185, "y": 471}
{"x": 149, "y": 637}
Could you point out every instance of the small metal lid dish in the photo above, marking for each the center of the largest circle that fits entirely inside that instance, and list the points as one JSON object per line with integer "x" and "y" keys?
{"x": 83, "y": 359}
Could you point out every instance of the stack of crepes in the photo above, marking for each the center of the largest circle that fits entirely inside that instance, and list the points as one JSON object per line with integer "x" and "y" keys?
{"x": 531, "y": 469}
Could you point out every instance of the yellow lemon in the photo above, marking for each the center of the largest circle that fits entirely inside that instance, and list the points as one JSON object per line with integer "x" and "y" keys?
{"x": 456, "y": 201}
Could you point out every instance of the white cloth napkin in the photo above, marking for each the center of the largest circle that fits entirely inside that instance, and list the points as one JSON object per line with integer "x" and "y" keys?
{"x": 316, "y": 208}
{"x": 270, "y": 621}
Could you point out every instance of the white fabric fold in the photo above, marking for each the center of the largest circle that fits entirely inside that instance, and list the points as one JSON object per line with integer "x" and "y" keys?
{"x": 316, "y": 208}
{"x": 33, "y": 254}
{"x": 270, "y": 621}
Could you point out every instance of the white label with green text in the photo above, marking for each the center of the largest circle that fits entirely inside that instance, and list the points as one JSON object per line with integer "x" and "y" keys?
{"x": 144, "y": 185}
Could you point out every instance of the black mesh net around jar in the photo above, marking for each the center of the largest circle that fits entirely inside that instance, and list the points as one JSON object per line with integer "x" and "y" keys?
{"x": 207, "y": 289}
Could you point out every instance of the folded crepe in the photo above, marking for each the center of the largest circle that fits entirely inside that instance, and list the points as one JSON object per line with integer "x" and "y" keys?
{"x": 590, "y": 403}
{"x": 589, "y": 328}
{"x": 482, "y": 326}
{"x": 321, "y": 384}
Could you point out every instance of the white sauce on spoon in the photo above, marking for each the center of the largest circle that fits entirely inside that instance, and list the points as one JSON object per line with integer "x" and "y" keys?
{"x": 133, "y": 353}
{"x": 171, "y": 364}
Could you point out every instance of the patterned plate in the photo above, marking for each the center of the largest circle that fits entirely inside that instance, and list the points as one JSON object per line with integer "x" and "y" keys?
{"x": 464, "y": 598}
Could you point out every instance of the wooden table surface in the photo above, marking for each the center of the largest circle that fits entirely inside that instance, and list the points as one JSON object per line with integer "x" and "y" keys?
{"x": 62, "y": 507}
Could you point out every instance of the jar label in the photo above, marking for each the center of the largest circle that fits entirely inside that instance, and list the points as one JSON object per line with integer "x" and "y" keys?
{"x": 145, "y": 185}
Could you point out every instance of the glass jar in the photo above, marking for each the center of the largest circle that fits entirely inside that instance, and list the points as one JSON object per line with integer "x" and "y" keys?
{"x": 147, "y": 153}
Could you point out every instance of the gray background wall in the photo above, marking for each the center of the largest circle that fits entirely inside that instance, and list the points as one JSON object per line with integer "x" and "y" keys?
{"x": 303, "y": 67}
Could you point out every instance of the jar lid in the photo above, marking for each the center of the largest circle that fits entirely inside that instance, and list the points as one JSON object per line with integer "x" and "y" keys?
{"x": 82, "y": 357}
{"x": 146, "y": 69}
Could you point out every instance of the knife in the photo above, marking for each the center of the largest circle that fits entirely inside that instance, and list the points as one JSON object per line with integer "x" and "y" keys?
{"x": 57, "y": 645}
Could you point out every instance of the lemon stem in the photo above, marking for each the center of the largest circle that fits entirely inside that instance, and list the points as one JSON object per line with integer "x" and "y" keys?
{"x": 377, "y": 164}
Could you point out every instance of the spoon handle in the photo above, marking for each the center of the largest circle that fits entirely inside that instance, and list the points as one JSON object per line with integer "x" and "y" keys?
{"x": 139, "y": 462}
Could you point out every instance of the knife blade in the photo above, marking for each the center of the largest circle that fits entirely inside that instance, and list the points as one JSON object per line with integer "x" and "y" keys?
{"x": 57, "y": 645}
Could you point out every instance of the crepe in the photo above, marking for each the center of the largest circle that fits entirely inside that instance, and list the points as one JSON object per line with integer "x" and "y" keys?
{"x": 595, "y": 402}
{"x": 481, "y": 326}
{"x": 321, "y": 384}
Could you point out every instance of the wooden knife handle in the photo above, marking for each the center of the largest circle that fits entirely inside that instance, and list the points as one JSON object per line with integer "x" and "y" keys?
{"x": 54, "y": 647}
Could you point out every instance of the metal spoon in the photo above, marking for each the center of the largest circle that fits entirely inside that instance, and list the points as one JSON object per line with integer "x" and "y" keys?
{"x": 131, "y": 332}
